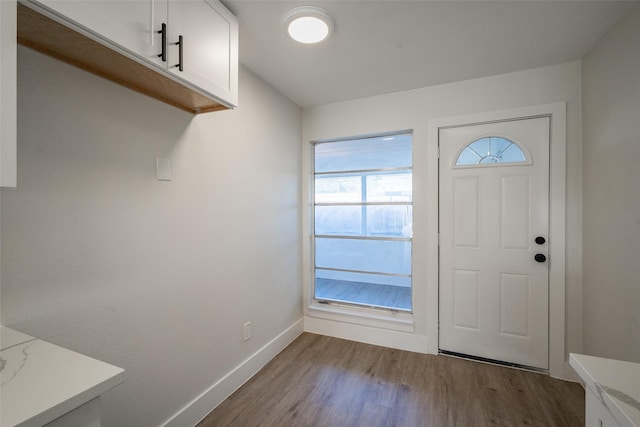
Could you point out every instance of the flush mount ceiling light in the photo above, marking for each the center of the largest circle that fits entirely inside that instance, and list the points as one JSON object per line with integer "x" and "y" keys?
{"x": 308, "y": 24}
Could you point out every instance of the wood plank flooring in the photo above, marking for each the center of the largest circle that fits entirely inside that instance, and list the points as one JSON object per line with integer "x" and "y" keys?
{"x": 320, "y": 381}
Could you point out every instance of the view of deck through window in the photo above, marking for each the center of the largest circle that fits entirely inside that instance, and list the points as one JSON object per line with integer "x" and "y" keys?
{"x": 363, "y": 221}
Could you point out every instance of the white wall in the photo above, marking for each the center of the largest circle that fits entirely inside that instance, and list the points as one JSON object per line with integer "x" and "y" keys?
{"x": 611, "y": 107}
{"x": 412, "y": 110}
{"x": 155, "y": 277}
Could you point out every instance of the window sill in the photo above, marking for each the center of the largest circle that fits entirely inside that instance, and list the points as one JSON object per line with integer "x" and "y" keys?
{"x": 403, "y": 322}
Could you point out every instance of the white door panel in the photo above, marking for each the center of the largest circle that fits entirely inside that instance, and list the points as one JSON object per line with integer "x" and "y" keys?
{"x": 493, "y": 293}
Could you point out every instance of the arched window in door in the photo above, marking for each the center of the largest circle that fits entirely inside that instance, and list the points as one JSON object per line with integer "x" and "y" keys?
{"x": 491, "y": 150}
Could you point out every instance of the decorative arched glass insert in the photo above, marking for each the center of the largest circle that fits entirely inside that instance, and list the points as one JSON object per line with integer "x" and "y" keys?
{"x": 489, "y": 150}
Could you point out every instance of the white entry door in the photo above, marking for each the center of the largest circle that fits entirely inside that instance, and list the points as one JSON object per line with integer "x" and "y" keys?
{"x": 494, "y": 225}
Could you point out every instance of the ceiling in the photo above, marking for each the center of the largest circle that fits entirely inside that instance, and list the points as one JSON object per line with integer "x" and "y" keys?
{"x": 388, "y": 46}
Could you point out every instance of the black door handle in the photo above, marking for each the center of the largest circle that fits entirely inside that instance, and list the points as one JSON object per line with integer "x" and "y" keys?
{"x": 540, "y": 240}
{"x": 540, "y": 257}
{"x": 163, "y": 32}
{"x": 180, "y": 44}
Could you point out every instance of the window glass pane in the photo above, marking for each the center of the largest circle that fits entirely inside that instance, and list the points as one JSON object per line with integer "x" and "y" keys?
{"x": 390, "y": 221}
{"x": 363, "y": 154}
{"x": 390, "y": 187}
{"x": 339, "y": 220}
{"x": 363, "y": 215}
{"x": 338, "y": 189}
{"x": 513, "y": 154}
{"x": 366, "y": 289}
{"x": 378, "y": 279}
{"x": 468, "y": 157}
{"x": 379, "y": 256}
{"x": 374, "y": 221}
{"x": 491, "y": 150}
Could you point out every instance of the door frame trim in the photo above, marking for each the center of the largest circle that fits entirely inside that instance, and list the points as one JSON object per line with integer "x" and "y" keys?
{"x": 557, "y": 220}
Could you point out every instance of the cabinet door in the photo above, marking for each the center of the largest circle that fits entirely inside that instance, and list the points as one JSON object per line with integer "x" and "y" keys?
{"x": 597, "y": 415}
{"x": 209, "y": 46}
{"x": 131, "y": 24}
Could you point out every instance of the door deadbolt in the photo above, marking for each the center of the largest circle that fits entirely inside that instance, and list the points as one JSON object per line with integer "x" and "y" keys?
{"x": 540, "y": 257}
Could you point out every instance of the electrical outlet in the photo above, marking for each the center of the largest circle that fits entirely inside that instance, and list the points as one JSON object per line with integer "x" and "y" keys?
{"x": 246, "y": 331}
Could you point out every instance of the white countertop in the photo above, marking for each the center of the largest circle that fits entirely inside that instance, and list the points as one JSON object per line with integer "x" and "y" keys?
{"x": 615, "y": 383}
{"x": 41, "y": 381}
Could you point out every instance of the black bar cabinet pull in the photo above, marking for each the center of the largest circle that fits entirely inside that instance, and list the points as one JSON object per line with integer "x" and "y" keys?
{"x": 180, "y": 44}
{"x": 163, "y": 32}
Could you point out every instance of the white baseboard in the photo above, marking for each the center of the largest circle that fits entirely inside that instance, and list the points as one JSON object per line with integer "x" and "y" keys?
{"x": 197, "y": 409}
{"x": 367, "y": 334}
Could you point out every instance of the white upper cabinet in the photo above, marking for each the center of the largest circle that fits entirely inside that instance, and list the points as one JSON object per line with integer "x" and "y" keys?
{"x": 134, "y": 25}
{"x": 209, "y": 44}
{"x": 148, "y": 31}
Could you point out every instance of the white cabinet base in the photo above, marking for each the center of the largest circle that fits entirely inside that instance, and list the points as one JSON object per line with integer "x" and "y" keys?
{"x": 597, "y": 415}
{"x": 612, "y": 389}
{"x": 47, "y": 385}
{"x": 87, "y": 415}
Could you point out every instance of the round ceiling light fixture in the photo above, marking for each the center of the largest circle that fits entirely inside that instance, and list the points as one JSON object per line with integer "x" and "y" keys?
{"x": 308, "y": 24}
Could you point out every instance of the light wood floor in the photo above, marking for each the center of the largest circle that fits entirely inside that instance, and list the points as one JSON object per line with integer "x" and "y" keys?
{"x": 323, "y": 381}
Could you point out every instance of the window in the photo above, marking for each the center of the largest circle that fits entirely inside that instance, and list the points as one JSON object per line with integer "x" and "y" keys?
{"x": 363, "y": 198}
{"x": 490, "y": 150}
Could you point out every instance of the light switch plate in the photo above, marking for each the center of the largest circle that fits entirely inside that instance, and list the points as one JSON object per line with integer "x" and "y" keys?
{"x": 163, "y": 169}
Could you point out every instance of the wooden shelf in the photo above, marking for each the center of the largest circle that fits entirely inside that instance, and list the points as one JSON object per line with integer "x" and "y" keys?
{"x": 52, "y": 38}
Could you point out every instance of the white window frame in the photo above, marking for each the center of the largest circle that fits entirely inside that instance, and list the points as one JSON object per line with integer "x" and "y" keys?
{"x": 354, "y": 314}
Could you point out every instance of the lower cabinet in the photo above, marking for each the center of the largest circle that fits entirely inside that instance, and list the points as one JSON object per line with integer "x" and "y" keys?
{"x": 597, "y": 415}
{"x": 47, "y": 385}
{"x": 87, "y": 415}
{"x": 611, "y": 390}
